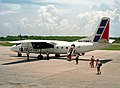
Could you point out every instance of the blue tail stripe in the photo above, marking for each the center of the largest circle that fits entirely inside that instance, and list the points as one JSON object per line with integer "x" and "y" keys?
{"x": 100, "y": 30}
{"x": 103, "y": 23}
{"x": 97, "y": 37}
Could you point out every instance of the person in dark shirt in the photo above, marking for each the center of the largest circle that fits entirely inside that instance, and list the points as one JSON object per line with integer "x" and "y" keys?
{"x": 77, "y": 58}
{"x": 98, "y": 65}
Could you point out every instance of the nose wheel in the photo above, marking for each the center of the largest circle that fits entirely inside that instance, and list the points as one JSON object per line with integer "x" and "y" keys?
{"x": 19, "y": 54}
{"x": 40, "y": 56}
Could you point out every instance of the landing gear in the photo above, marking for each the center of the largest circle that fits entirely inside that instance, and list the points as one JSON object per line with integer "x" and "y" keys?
{"x": 40, "y": 57}
{"x": 19, "y": 54}
{"x": 57, "y": 55}
{"x": 48, "y": 56}
{"x": 47, "y": 53}
{"x": 28, "y": 54}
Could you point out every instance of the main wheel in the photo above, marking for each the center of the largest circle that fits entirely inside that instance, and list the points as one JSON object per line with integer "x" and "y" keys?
{"x": 57, "y": 55}
{"x": 48, "y": 57}
{"x": 40, "y": 57}
{"x": 19, "y": 54}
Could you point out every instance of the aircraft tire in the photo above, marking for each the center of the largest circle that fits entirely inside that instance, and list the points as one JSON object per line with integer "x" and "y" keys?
{"x": 19, "y": 55}
{"x": 57, "y": 55}
{"x": 48, "y": 58}
{"x": 40, "y": 57}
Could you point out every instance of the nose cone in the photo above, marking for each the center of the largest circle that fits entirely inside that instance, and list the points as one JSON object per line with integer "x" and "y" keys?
{"x": 14, "y": 48}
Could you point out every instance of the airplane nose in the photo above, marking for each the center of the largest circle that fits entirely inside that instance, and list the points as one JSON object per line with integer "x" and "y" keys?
{"x": 14, "y": 48}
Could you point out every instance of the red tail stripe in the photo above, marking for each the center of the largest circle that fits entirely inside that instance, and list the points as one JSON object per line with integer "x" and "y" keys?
{"x": 105, "y": 34}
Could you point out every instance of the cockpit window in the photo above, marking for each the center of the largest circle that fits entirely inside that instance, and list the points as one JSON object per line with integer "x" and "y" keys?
{"x": 18, "y": 44}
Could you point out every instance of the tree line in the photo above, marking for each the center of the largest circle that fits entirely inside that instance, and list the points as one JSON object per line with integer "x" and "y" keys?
{"x": 61, "y": 38}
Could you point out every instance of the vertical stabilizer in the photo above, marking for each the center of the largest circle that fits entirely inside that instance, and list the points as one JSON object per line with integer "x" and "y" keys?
{"x": 102, "y": 33}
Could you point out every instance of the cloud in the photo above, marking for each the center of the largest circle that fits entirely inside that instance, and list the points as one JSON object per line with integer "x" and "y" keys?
{"x": 49, "y": 13}
{"x": 102, "y": 6}
{"x": 25, "y": 1}
{"x": 89, "y": 20}
{"x": 9, "y": 8}
{"x": 50, "y": 21}
{"x": 14, "y": 1}
{"x": 53, "y": 21}
{"x": 6, "y": 29}
{"x": 24, "y": 22}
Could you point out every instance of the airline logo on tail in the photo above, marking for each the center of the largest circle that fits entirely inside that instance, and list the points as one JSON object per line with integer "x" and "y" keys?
{"x": 102, "y": 34}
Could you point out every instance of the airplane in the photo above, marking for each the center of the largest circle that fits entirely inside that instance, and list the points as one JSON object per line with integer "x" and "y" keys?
{"x": 100, "y": 39}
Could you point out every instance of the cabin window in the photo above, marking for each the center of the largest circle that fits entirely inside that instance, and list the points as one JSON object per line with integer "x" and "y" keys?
{"x": 57, "y": 47}
{"x": 61, "y": 47}
{"x": 66, "y": 47}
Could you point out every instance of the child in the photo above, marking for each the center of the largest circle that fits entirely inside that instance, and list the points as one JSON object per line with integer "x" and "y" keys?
{"x": 92, "y": 62}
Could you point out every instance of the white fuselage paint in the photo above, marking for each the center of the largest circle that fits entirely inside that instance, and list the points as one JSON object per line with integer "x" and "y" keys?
{"x": 61, "y": 47}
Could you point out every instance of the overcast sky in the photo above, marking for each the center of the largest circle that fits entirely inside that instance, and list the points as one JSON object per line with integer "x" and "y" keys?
{"x": 57, "y": 17}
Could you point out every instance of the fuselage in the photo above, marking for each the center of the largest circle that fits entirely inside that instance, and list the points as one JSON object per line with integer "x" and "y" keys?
{"x": 60, "y": 47}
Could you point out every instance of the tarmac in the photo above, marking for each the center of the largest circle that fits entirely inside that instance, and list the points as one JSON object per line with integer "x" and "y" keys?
{"x": 16, "y": 72}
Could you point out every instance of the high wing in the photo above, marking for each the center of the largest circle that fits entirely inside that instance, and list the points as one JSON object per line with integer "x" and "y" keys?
{"x": 37, "y": 44}
{"x": 42, "y": 45}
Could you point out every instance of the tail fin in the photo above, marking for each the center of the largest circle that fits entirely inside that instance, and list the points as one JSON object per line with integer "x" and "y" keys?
{"x": 102, "y": 33}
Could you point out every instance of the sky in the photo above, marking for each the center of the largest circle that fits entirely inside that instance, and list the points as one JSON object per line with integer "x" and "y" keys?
{"x": 57, "y": 17}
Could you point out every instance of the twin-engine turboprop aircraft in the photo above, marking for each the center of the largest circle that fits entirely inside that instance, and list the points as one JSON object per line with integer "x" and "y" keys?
{"x": 100, "y": 39}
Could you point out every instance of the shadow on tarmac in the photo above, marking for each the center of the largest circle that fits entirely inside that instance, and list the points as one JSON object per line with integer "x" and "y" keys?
{"x": 106, "y": 61}
{"x": 103, "y": 61}
{"x": 31, "y": 60}
{"x": 20, "y": 61}
{"x": 62, "y": 57}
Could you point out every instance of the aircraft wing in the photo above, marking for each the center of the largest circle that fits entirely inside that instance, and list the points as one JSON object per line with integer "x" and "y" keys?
{"x": 37, "y": 44}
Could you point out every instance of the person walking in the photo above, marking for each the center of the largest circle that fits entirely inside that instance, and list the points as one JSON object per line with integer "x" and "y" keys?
{"x": 28, "y": 56}
{"x": 70, "y": 52}
{"x": 77, "y": 58}
{"x": 92, "y": 62}
{"x": 98, "y": 65}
